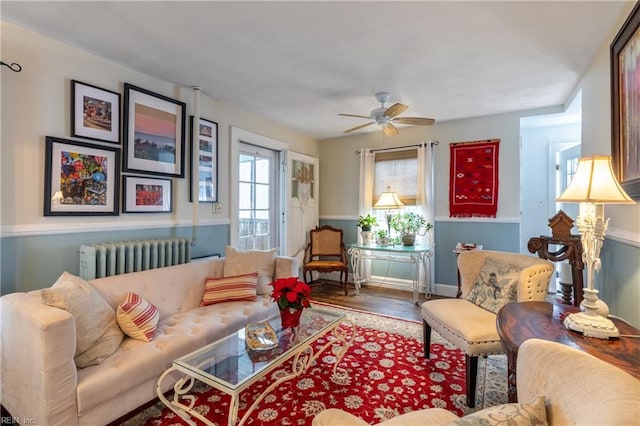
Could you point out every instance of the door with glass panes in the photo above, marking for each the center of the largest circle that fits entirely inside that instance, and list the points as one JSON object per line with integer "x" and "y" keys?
{"x": 257, "y": 198}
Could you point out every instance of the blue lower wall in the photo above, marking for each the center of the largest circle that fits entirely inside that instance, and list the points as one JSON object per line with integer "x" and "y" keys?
{"x": 34, "y": 262}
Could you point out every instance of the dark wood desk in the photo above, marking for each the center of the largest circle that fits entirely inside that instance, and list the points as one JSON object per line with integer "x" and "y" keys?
{"x": 517, "y": 322}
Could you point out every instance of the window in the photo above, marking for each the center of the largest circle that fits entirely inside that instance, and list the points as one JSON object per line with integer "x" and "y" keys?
{"x": 399, "y": 171}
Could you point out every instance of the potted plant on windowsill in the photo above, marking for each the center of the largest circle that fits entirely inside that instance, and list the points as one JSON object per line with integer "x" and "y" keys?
{"x": 366, "y": 223}
{"x": 410, "y": 224}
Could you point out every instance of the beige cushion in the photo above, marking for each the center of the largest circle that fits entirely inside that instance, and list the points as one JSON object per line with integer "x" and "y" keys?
{"x": 229, "y": 289}
{"x": 515, "y": 414}
{"x": 137, "y": 317}
{"x": 496, "y": 285}
{"x": 97, "y": 333}
{"x": 466, "y": 325}
{"x": 238, "y": 262}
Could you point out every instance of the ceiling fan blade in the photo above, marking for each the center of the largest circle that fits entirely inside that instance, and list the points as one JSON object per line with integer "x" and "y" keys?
{"x": 359, "y": 127}
{"x": 354, "y": 115}
{"x": 390, "y": 130}
{"x": 395, "y": 109}
{"x": 416, "y": 121}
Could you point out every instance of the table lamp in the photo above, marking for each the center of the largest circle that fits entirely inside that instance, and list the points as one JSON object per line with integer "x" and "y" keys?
{"x": 593, "y": 186}
{"x": 388, "y": 201}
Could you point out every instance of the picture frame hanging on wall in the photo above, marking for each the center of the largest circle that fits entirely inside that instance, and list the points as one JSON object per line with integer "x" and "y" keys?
{"x": 206, "y": 145}
{"x": 81, "y": 179}
{"x": 147, "y": 195}
{"x": 625, "y": 108}
{"x": 154, "y": 133}
{"x": 95, "y": 112}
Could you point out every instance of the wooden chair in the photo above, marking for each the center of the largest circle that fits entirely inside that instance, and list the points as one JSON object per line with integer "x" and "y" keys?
{"x": 326, "y": 252}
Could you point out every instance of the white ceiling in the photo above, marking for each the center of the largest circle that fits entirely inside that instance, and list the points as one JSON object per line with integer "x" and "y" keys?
{"x": 301, "y": 63}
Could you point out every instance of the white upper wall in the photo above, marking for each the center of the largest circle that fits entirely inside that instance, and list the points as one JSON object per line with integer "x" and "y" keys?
{"x": 36, "y": 104}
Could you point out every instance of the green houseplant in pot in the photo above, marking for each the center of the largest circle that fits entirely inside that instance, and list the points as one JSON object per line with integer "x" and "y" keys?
{"x": 366, "y": 224}
{"x": 410, "y": 224}
{"x": 383, "y": 240}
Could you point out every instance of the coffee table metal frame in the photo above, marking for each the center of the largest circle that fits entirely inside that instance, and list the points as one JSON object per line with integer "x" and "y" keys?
{"x": 193, "y": 365}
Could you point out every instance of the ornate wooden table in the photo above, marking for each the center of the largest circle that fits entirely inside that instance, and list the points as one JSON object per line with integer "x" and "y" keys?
{"x": 517, "y": 322}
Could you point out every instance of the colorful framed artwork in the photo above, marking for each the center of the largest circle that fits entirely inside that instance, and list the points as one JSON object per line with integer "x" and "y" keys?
{"x": 95, "y": 112}
{"x": 206, "y": 145}
{"x": 146, "y": 195}
{"x": 625, "y": 104}
{"x": 154, "y": 133}
{"x": 81, "y": 179}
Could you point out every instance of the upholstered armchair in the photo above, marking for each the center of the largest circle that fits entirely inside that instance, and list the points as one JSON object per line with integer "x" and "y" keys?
{"x": 489, "y": 279}
{"x": 549, "y": 390}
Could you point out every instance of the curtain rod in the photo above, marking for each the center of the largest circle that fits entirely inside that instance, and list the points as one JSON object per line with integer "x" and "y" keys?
{"x": 402, "y": 147}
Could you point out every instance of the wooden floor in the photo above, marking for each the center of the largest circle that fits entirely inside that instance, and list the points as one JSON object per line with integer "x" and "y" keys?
{"x": 372, "y": 298}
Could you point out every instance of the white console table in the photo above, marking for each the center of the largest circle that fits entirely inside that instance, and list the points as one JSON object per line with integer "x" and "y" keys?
{"x": 414, "y": 255}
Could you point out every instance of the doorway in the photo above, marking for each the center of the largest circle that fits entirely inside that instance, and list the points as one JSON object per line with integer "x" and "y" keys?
{"x": 546, "y": 141}
{"x": 257, "y": 198}
{"x": 257, "y": 205}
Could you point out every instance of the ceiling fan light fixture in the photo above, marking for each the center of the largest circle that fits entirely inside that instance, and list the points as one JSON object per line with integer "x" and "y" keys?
{"x": 384, "y": 117}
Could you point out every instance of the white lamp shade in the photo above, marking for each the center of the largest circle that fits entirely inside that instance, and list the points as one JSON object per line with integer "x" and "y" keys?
{"x": 594, "y": 182}
{"x": 388, "y": 200}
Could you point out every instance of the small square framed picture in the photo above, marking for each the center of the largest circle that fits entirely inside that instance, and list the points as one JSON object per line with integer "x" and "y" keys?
{"x": 95, "y": 113}
{"x": 146, "y": 195}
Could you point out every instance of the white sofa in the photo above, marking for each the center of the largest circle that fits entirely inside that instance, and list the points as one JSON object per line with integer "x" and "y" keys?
{"x": 578, "y": 389}
{"x": 40, "y": 380}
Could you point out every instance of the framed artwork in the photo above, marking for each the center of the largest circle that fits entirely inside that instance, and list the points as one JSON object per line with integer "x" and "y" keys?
{"x": 302, "y": 181}
{"x": 95, "y": 112}
{"x": 206, "y": 145}
{"x": 146, "y": 195}
{"x": 81, "y": 179}
{"x": 154, "y": 133}
{"x": 625, "y": 103}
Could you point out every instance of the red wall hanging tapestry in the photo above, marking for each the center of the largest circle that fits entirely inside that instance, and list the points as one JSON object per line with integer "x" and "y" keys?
{"x": 473, "y": 185}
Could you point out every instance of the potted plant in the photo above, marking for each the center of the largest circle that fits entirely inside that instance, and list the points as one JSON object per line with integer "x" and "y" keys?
{"x": 366, "y": 223}
{"x": 409, "y": 225}
{"x": 383, "y": 239}
{"x": 292, "y": 296}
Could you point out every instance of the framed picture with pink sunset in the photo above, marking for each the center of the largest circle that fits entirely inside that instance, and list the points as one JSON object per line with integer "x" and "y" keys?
{"x": 154, "y": 133}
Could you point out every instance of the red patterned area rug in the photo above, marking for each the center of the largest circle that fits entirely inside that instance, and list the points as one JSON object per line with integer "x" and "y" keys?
{"x": 388, "y": 376}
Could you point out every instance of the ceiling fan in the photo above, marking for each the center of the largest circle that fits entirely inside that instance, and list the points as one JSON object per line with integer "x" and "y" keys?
{"x": 385, "y": 117}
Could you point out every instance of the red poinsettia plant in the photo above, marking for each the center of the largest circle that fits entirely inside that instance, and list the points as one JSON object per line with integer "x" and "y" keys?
{"x": 291, "y": 293}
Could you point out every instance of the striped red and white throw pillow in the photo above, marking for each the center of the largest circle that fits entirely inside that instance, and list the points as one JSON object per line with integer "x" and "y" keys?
{"x": 225, "y": 289}
{"x": 137, "y": 318}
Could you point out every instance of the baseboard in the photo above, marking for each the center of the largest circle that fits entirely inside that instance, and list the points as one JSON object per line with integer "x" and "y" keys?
{"x": 397, "y": 284}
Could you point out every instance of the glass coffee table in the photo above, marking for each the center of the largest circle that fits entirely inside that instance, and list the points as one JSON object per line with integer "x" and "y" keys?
{"x": 229, "y": 366}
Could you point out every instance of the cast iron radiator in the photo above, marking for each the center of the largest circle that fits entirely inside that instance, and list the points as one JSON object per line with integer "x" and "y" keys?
{"x": 119, "y": 257}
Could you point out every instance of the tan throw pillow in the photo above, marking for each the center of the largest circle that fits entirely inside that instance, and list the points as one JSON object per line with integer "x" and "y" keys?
{"x": 532, "y": 414}
{"x": 227, "y": 289}
{"x": 97, "y": 333}
{"x": 238, "y": 262}
{"x": 137, "y": 318}
{"x": 495, "y": 286}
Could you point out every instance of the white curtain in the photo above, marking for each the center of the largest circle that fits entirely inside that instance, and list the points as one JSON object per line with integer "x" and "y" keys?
{"x": 425, "y": 197}
{"x": 425, "y": 186}
{"x": 365, "y": 192}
